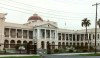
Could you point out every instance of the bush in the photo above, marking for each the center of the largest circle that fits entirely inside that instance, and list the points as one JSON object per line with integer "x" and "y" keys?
{"x": 70, "y": 51}
{"x": 56, "y": 50}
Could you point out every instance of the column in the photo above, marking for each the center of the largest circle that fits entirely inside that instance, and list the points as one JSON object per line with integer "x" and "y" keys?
{"x": 76, "y": 39}
{"x": 38, "y": 33}
{"x": 65, "y": 37}
{"x": 22, "y": 33}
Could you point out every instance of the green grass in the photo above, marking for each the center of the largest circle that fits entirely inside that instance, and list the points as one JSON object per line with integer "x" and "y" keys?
{"x": 98, "y": 54}
{"x": 22, "y": 57}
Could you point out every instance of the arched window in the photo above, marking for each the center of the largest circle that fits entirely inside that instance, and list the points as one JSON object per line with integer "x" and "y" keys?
{"x": 48, "y": 42}
{"x": 25, "y": 42}
{"x": 63, "y": 44}
{"x": 42, "y": 44}
{"x": 77, "y": 44}
{"x": 74, "y": 44}
{"x": 93, "y": 36}
{"x": 86, "y": 44}
{"x": 12, "y": 44}
{"x": 18, "y": 42}
{"x": 30, "y": 42}
{"x": 66, "y": 43}
{"x": 59, "y": 44}
{"x": 98, "y": 36}
{"x": 82, "y": 44}
{"x": 6, "y": 44}
{"x": 53, "y": 45}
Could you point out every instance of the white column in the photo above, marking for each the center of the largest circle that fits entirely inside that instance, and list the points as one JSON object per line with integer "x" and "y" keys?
{"x": 76, "y": 39}
{"x": 22, "y": 33}
{"x": 45, "y": 45}
{"x": 38, "y": 33}
{"x": 65, "y": 36}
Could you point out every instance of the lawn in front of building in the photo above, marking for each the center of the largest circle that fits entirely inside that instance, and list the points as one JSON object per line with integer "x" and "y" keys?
{"x": 22, "y": 57}
{"x": 97, "y": 54}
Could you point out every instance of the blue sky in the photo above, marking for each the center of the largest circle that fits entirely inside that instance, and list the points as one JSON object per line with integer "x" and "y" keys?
{"x": 60, "y": 11}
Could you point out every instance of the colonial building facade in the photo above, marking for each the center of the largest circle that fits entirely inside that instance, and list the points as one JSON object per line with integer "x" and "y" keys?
{"x": 37, "y": 30}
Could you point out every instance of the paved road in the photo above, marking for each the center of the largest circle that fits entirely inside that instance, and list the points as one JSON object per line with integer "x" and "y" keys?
{"x": 62, "y": 56}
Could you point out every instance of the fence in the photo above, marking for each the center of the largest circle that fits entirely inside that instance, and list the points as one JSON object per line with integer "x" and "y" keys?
{"x": 19, "y": 48}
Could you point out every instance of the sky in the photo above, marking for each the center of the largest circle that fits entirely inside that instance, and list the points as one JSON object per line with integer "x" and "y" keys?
{"x": 67, "y": 13}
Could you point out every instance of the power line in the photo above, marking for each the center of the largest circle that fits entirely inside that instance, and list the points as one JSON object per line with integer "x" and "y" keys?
{"x": 31, "y": 10}
{"x": 63, "y": 17}
{"x": 45, "y": 8}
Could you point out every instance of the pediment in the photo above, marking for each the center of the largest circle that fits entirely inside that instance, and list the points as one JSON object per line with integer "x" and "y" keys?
{"x": 48, "y": 25}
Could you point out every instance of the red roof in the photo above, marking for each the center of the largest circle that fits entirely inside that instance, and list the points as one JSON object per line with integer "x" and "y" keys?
{"x": 35, "y": 17}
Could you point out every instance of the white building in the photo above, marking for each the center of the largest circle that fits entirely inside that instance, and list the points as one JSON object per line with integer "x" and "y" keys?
{"x": 40, "y": 31}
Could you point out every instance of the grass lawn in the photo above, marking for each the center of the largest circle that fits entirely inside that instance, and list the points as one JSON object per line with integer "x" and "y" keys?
{"x": 97, "y": 54}
{"x": 22, "y": 57}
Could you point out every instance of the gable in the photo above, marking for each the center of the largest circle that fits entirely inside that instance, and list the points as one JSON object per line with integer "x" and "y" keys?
{"x": 48, "y": 25}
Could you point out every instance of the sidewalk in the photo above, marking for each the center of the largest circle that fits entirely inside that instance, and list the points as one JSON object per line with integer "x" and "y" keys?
{"x": 72, "y": 53}
{"x": 16, "y": 55}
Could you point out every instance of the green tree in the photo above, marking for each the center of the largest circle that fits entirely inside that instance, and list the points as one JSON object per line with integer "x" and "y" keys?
{"x": 85, "y": 23}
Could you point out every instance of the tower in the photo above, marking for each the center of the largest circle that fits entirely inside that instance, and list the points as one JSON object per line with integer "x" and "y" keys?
{"x": 2, "y": 20}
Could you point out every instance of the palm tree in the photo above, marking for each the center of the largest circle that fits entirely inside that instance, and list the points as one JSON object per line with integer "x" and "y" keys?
{"x": 86, "y": 23}
{"x": 98, "y": 23}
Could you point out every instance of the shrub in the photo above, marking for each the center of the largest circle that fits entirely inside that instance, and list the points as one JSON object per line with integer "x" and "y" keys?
{"x": 70, "y": 50}
{"x": 56, "y": 50}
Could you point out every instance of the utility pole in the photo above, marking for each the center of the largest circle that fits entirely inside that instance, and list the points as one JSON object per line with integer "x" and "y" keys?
{"x": 96, "y": 24}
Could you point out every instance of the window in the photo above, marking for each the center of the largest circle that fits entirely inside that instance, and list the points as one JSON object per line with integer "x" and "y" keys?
{"x": 70, "y": 37}
{"x": 77, "y": 37}
{"x": 82, "y": 37}
{"x": 66, "y": 36}
{"x": 73, "y": 37}
{"x": 89, "y": 36}
{"x": 93, "y": 36}
{"x": 42, "y": 33}
{"x": 59, "y": 36}
{"x": 98, "y": 36}
{"x": 63, "y": 36}
{"x": 30, "y": 34}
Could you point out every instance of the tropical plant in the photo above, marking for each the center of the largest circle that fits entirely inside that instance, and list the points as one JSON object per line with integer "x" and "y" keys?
{"x": 85, "y": 23}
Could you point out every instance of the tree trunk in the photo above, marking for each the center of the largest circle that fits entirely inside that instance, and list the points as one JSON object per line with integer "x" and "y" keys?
{"x": 86, "y": 33}
{"x": 87, "y": 38}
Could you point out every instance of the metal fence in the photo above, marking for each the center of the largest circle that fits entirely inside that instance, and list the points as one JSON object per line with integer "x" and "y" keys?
{"x": 19, "y": 48}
